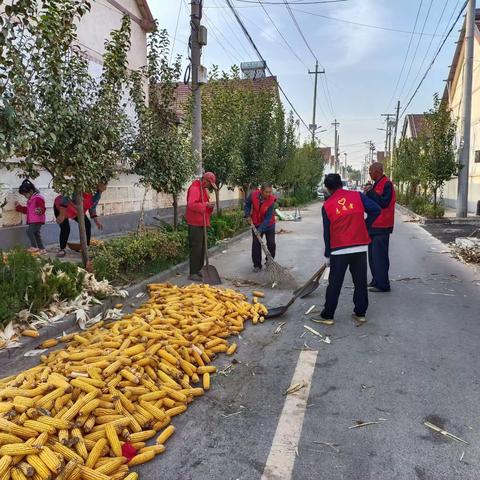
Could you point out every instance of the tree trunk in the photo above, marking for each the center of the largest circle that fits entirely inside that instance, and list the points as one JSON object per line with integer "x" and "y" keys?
{"x": 81, "y": 228}
{"x": 141, "y": 220}
{"x": 175, "y": 211}
{"x": 217, "y": 201}
{"x": 435, "y": 196}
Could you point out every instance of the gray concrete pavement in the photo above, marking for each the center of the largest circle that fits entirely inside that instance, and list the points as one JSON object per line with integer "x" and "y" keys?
{"x": 415, "y": 360}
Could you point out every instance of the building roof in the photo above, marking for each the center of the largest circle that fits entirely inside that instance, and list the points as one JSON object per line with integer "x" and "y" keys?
{"x": 417, "y": 124}
{"x": 458, "y": 51}
{"x": 326, "y": 153}
{"x": 183, "y": 91}
{"x": 147, "y": 22}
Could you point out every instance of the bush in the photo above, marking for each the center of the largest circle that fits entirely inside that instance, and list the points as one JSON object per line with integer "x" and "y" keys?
{"x": 421, "y": 205}
{"x": 27, "y": 282}
{"x": 127, "y": 257}
{"x": 299, "y": 198}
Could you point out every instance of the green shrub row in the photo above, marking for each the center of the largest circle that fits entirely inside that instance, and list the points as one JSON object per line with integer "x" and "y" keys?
{"x": 125, "y": 258}
{"x": 28, "y": 282}
{"x": 421, "y": 205}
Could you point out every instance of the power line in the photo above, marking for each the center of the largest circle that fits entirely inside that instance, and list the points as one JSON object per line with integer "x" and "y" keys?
{"x": 254, "y": 46}
{"x": 282, "y": 36}
{"x": 406, "y": 57}
{"x": 176, "y": 30}
{"x": 312, "y": 2}
{"x": 431, "y": 43}
{"x": 299, "y": 29}
{"x": 434, "y": 58}
{"x": 416, "y": 50}
{"x": 365, "y": 25}
{"x": 237, "y": 55}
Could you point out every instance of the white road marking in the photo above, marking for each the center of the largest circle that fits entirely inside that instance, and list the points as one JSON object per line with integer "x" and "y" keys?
{"x": 283, "y": 451}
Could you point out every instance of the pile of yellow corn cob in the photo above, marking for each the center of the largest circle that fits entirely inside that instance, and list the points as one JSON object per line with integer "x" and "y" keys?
{"x": 119, "y": 382}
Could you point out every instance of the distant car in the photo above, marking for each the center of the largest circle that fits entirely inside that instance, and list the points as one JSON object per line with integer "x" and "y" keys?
{"x": 321, "y": 194}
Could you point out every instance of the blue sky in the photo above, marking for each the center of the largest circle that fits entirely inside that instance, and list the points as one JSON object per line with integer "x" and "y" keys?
{"x": 362, "y": 64}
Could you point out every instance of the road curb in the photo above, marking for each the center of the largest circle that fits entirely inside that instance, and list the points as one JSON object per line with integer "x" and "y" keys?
{"x": 421, "y": 219}
{"x": 69, "y": 324}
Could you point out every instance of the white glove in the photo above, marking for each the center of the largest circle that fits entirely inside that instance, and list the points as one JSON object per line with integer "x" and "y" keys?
{"x": 327, "y": 261}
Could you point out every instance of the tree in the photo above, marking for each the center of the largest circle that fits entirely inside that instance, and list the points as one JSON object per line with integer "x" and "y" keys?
{"x": 439, "y": 160}
{"x": 163, "y": 157}
{"x": 407, "y": 165}
{"x": 77, "y": 126}
{"x": 222, "y": 125}
{"x": 353, "y": 174}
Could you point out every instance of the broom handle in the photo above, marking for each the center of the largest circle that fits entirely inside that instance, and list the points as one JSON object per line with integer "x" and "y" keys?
{"x": 264, "y": 247}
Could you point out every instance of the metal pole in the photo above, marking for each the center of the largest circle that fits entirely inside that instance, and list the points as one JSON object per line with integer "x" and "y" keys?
{"x": 464, "y": 160}
{"x": 316, "y": 72}
{"x": 196, "y": 52}
{"x": 336, "y": 124}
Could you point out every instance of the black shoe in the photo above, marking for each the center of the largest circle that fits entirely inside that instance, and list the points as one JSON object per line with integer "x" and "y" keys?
{"x": 325, "y": 316}
{"x": 360, "y": 319}
{"x": 257, "y": 269}
{"x": 371, "y": 284}
{"x": 195, "y": 277}
{"x": 377, "y": 290}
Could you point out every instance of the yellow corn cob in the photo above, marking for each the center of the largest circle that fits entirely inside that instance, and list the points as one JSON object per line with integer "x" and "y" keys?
{"x": 207, "y": 369}
{"x": 129, "y": 376}
{"x": 27, "y": 469}
{"x": 111, "y": 466}
{"x": 6, "y": 438}
{"x": 232, "y": 349}
{"x": 142, "y": 436}
{"x": 30, "y": 333}
{"x": 63, "y": 436}
{"x": 89, "y": 407}
{"x": 89, "y": 424}
{"x": 39, "y": 426}
{"x": 96, "y": 452}
{"x": 131, "y": 476}
{"x": 40, "y": 441}
{"x": 50, "y": 460}
{"x": 157, "y": 449}
{"x": 113, "y": 440}
{"x": 172, "y": 412}
{"x": 5, "y": 463}
{"x": 206, "y": 381}
{"x": 17, "y": 474}
{"x": 65, "y": 452}
{"x": 14, "y": 429}
{"x": 141, "y": 458}
{"x": 51, "y": 342}
{"x": 39, "y": 466}
{"x": 135, "y": 350}
{"x": 57, "y": 423}
{"x": 165, "y": 435}
{"x": 80, "y": 445}
{"x": 75, "y": 408}
{"x": 67, "y": 471}
{"x": 83, "y": 385}
{"x": 50, "y": 397}
{"x": 58, "y": 381}
{"x": 89, "y": 474}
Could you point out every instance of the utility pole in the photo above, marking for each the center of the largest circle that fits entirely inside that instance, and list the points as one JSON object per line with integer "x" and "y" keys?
{"x": 462, "y": 197}
{"x": 345, "y": 164}
{"x": 336, "y": 125}
{"x": 388, "y": 115}
{"x": 394, "y": 148}
{"x": 196, "y": 54}
{"x": 316, "y": 72}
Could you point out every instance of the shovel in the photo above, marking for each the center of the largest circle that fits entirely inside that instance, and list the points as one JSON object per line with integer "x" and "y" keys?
{"x": 209, "y": 272}
{"x": 311, "y": 285}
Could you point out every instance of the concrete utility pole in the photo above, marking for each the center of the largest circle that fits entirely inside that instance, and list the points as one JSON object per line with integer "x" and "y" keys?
{"x": 462, "y": 197}
{"x": 316, "y": 72}
{"x": 395, "y": 130}
{"x": 388, "y": 115}
{"x": 196, "y": 54}
{"x": 336, "y": 125}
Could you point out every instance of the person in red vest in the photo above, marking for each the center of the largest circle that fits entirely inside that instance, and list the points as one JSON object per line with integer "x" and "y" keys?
{"x": 383, "y": 193}
{"x": 260, "y": 211}
{"x": 65, "y": 209}
{"x": 198, "y": 213}
{"x": 345, "y": 232}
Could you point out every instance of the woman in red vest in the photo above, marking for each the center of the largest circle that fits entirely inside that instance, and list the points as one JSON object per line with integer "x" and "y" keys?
{"x": 199, "y": 210}
{"x": 382, "y": 193}
{"x": 260, "y": 211}
{"x": 346, "y": 243}
{"x": 65, "y": 209}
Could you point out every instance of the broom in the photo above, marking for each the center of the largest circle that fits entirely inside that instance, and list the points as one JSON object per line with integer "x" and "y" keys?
{"x": 279, "y": 276}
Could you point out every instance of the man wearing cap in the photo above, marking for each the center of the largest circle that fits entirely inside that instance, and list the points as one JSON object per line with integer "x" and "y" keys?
{"x": 260, "y": 211}
{"x": 199, "y": 210}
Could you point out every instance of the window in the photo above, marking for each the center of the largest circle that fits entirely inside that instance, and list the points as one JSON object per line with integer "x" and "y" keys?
{"x": 477, "y": 156}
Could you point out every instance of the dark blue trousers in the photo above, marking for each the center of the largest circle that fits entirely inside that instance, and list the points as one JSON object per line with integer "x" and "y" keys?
{"x": 357, "y": 262}
{"x": 379, "y": 261}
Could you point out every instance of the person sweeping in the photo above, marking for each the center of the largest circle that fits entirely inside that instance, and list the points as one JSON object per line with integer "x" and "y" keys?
{"x": 260, "y": 212}
{"x": 199, "y": 210}
{"x": 345, "y": 232}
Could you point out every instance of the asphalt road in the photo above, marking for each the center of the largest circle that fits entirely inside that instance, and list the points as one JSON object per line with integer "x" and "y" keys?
{"x": 415, "y": 360}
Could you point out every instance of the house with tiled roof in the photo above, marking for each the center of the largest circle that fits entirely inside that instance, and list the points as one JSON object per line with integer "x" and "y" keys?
{"x": 414, "y": 125}
{"x": 454, "y": 95}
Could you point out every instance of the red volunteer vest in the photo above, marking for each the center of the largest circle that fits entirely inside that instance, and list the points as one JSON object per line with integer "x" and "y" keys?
{"x": 260, "y": 210}
{"x": 386, "y": 218}
{"x": 346, "y": 213}
{"x": 71, "y": 209}
{"x": 194, "y": 212}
